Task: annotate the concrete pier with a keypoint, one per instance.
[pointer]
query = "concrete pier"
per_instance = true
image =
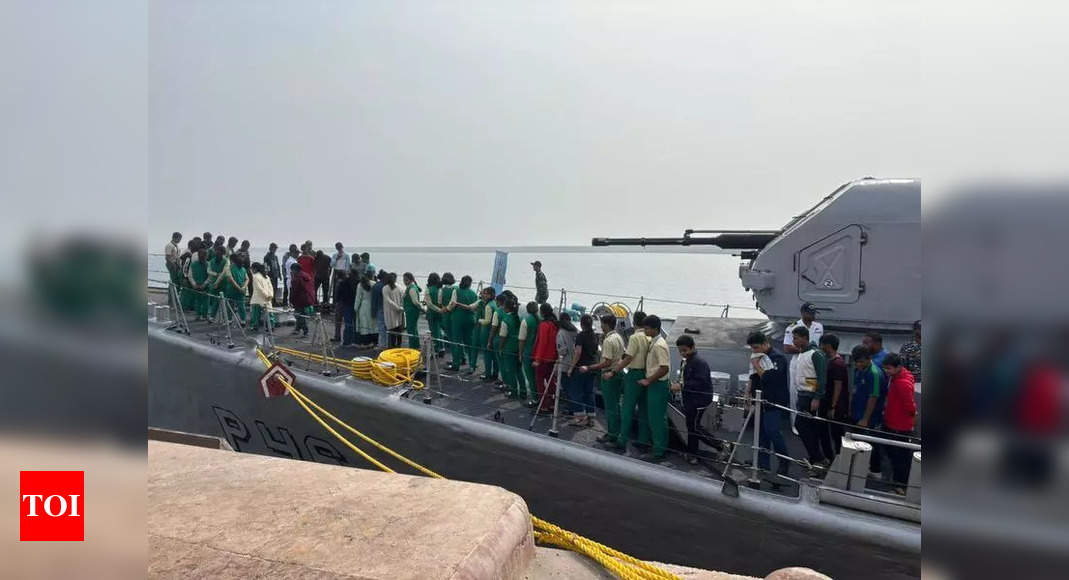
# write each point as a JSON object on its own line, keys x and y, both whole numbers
{"x": 221, "y": 514}
{"x": 225, "y": 515}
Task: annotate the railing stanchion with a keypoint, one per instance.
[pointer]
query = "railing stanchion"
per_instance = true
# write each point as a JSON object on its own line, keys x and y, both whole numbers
{"x": 756, "y": 437}
{"x": 556, "y": 399}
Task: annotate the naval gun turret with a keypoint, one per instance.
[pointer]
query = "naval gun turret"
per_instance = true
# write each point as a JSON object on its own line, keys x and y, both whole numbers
{"x": 855, "y": 255}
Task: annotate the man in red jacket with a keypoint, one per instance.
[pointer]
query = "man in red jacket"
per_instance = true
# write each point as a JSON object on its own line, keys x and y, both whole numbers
{"x": 898, "y": 417}
{"x": 302, "y": 296}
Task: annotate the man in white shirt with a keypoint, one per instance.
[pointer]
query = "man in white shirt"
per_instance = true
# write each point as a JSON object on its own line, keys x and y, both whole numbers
{"x": 287, "y": 263}
{"x": 172, "y": 255}
{"x": 816, "y": 330}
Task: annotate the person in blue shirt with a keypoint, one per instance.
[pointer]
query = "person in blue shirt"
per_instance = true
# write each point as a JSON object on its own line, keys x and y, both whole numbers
{"x": 773, "y": 384}
{"x": 867, "y": 398}
{"x": 873, "y": 341}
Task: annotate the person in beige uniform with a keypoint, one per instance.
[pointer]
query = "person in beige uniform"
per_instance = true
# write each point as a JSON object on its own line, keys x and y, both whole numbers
{"x": 634, "y": 360}
{"x": 657, "y": 388}
{"x": 612, "y": 350}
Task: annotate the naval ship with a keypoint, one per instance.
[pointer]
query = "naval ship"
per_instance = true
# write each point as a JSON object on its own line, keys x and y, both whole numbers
{"x": 855, "y": 255}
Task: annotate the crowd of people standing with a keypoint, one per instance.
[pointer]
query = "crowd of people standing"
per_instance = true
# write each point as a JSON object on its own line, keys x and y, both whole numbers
{"x": 814, "y": 383}
{"x": 525, "y": 350}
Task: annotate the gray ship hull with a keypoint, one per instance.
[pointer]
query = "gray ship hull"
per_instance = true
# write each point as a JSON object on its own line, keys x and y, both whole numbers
{"x": 645, "y": 510}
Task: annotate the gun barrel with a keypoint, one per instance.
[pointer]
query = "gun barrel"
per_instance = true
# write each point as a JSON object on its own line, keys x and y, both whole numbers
{"x": 728, "y": 241}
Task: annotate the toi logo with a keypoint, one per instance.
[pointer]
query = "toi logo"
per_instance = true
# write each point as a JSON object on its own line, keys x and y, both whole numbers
{"x": 51, "y": 506}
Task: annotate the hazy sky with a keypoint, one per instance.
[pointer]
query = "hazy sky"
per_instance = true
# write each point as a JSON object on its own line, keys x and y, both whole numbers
{"x": 500, "y": 122}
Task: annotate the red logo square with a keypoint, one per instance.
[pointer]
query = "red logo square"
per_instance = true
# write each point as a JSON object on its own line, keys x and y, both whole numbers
{"x": 51, "y": 506}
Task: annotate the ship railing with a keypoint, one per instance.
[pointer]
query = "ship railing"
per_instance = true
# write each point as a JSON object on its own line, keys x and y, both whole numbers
{"x": 847, "y": 474}
{"x": 725, "y": 310}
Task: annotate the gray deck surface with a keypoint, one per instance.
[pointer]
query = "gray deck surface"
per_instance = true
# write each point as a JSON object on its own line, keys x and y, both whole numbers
{"x": 469, "y": 394}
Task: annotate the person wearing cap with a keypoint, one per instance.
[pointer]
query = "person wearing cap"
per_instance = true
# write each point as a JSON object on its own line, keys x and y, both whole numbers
{"x": 634, "y": 360}
{"x": 541, "y": 285}
{"x": 808, "y": 320}
{"x": 658, "y": 361}
{"x": 816, "y": 330}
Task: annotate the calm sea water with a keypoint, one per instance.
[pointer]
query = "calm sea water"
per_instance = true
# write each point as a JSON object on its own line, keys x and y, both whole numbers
{"x": 701, "y": 280}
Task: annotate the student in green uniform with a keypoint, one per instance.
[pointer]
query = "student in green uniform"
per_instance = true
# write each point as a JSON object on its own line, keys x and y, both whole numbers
{"x": 497, "y": 305}
{"x": 528, "y": 331}
{"x": 434, "y": 311}
{"x": 198, "y": 283}
{"x": 463, "y": 323}
{"x": 413, "y": 305}
{"x": 612, "y": 350}
{"x": 217, "y": 267}
{"x": 509, "y": 344}
{"x": 634, "y": 360}
{"x": 446, "y": 297}
{"x": 476, "y": 333}
{"x": 186, "y": 296}
{"x": 236, "y": 284}
{"x": 657, "y": 388}
{"x": 478, "y": 330}
{"x": 481, "y": 330}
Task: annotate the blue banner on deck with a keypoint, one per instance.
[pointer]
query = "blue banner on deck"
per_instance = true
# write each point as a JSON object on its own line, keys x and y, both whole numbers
{"x": 501, "y": 264}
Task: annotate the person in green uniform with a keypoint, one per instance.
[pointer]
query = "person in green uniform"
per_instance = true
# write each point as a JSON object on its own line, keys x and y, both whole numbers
{"x": 198, "y": 282}
{"x": 509, "y": 343}
{"x": 477, "y": 330}
{"x": 497, "y": 305}
{"x": 446, "y": 297}
{"x": 413, "y": 304}
{"x": 657, "y": 388}
{"x": 634, "y": 360}
{"x": 612, "y": 350}
{"x": 528, "y": 332}
{"x": 434, "y": 312}
{"x": 187, "y": 297}
{"x": 236, "y": 284}
{"x": 481, "y": 329}
{"x": 217, "y": 267}
{"x": 463, "y": 322}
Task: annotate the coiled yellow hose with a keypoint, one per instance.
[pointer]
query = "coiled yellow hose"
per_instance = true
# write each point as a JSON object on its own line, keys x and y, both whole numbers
{"x": 618, "y": 310}
{"x": 394, "y": 366}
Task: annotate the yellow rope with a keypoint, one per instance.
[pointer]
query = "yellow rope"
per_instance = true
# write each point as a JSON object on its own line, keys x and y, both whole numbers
{"x": 618, "y": 310}
{"x": 620, "y": 564}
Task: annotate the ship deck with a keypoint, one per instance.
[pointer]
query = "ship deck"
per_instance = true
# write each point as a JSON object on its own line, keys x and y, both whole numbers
{"x": 470, "y": 395}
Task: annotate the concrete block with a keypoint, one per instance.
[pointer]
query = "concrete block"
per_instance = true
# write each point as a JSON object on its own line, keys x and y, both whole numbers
{"x": 221, "y": 514}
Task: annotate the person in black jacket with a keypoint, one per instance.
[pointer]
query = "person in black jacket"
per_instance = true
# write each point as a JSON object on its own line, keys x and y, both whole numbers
{"x": 322, "y": 275}
{"x": 697, "y": 391}
{"x": 274, "y": 271}
{"x": 772, "y": 380}
{"x": 344, "y": 303}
